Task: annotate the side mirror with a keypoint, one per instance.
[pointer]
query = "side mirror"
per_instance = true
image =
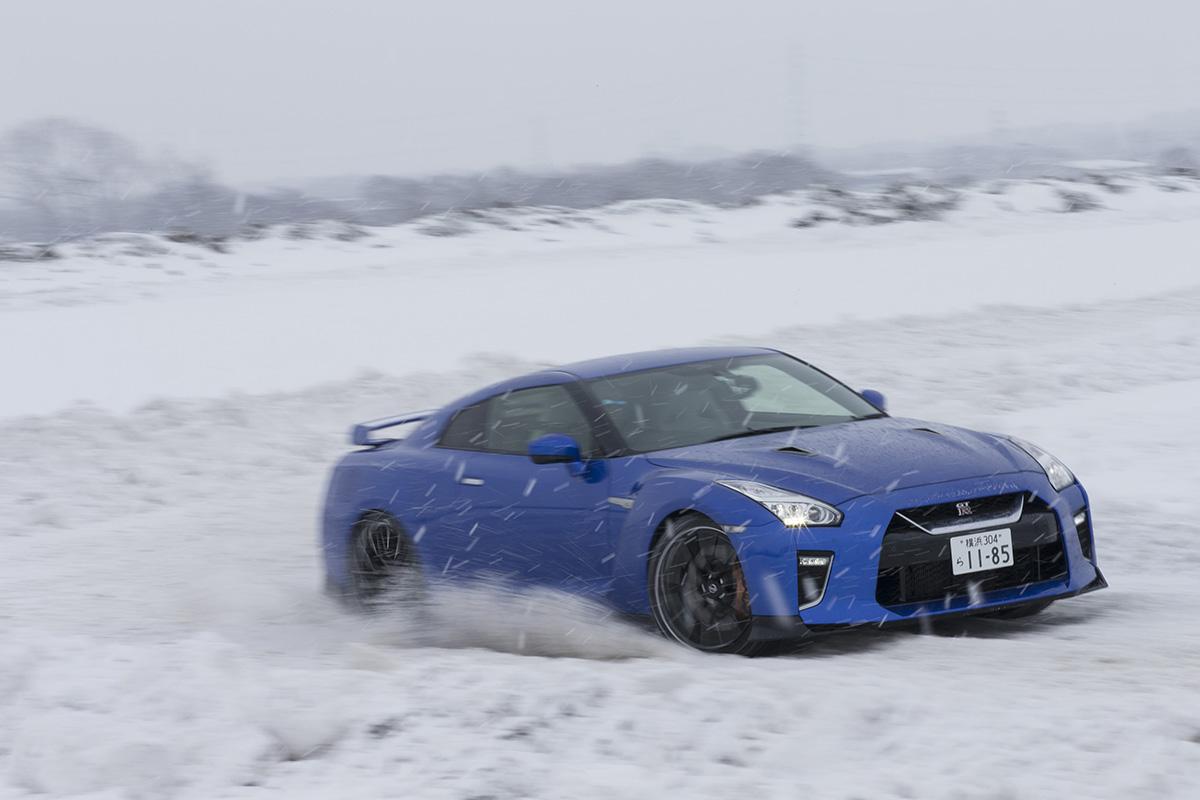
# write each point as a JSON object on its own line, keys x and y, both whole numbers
{"x": 875, "y": 398}
{"x": 554, "y": 448}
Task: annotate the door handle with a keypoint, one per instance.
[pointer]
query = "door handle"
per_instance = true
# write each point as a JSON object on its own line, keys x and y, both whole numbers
{"x": 465, "y": 481}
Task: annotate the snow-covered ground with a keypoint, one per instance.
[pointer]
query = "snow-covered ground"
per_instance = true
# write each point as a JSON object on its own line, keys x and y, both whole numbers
{"x": 164, "y": 635}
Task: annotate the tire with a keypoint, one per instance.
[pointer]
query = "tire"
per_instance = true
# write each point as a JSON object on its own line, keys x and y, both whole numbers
{"x": 383, "y": 563}
{"x": 698, "y": 594}
{"x": 1019, "y": 612}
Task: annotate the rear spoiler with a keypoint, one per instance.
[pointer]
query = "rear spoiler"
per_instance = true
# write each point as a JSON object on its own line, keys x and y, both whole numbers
{"x": 360, "y": 434}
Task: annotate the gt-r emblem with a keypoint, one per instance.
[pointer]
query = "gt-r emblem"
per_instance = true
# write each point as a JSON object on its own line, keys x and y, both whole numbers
{"x": 964, "y": 509}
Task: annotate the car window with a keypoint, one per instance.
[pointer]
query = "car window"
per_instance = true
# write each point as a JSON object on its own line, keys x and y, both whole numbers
{"x": 686, "y": 404}
{"x": 508, "y": 422}
{"x": 770, "y": 390}
{"x": 465, "y": 431}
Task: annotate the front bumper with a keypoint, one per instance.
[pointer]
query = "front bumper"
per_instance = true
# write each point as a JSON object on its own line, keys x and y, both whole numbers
{"x": 768, "y": 556}
{"x": 767, "y": 629}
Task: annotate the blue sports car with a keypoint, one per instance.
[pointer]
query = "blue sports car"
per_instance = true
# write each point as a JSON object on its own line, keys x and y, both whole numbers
{"x": 736, "y": 495}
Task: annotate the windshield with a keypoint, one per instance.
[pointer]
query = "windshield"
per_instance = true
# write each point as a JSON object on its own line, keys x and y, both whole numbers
{"x": 707, "y": 401}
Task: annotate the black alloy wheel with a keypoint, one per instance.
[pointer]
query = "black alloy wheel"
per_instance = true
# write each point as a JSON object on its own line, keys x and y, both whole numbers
{"x": 384, "y": 565}
{"x": 698, "y": 592}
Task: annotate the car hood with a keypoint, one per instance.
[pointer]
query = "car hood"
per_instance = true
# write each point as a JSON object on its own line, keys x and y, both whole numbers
{"x": 835, "y": 463}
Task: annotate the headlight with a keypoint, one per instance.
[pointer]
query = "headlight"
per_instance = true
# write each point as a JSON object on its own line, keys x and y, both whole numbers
{"x": 794, "y": 510}
{"x": 1060, "y": 477}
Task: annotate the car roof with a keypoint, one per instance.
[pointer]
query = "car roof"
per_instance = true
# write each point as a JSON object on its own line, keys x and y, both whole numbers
{"x": 652, "y": 359}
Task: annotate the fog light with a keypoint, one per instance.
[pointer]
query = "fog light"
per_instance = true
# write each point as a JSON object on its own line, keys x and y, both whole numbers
{"x": 812, "y": 575}
{"x": 1084, "y": 529}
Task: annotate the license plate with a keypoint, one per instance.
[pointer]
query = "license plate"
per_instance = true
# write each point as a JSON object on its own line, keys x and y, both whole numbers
{"x": 979, "y": 551}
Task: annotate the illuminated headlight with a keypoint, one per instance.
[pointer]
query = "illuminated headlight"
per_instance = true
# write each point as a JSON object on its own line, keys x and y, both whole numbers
{"x": 794, "y": 510}
{"x": 1060, "y": 477}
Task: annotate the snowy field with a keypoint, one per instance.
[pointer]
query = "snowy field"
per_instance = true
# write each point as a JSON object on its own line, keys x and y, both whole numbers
{"x": 133, "y": 317}
{"x": 164, "y": 635}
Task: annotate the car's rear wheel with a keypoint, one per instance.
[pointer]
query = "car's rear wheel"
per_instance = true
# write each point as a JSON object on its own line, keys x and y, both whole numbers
{"x": 384, "y": 567}
{"x": 698, "y": 593}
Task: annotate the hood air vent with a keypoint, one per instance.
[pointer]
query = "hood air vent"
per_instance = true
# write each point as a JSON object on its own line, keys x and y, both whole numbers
{"x": 929, "y": 430}
{"x": 800, "y": 451}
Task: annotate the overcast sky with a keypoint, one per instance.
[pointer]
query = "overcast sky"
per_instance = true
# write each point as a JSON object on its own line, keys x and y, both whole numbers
{"x": 294, "y": 88}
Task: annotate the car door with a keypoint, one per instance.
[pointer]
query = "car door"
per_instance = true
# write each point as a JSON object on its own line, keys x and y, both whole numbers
{"x": 532, "y": 522}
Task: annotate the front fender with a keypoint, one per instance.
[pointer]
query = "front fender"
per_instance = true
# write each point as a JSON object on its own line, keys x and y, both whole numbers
{"x": 660, "y": 495}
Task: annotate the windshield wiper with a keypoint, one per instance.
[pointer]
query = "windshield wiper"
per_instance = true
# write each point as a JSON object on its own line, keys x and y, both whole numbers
{"x": 756, "y": 432}
{"x": 876, "y": 415}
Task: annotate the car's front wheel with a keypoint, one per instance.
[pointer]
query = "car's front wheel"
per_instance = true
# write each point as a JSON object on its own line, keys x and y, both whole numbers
{"x": 384, "y": 566}
{"x": 698, "y": 592}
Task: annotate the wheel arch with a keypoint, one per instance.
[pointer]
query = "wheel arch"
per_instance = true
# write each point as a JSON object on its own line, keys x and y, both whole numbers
{"x": 667, "y": 521}
{"x": 663, "y": 497}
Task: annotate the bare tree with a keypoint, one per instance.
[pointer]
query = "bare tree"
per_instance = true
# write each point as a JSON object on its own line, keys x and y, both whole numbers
{"x": 72, "y": 175}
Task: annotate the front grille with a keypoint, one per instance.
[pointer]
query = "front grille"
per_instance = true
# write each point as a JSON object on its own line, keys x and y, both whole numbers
{"x": 914, "y": 566}
{"x": 939, "y": 515}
